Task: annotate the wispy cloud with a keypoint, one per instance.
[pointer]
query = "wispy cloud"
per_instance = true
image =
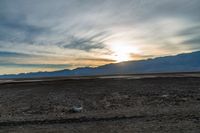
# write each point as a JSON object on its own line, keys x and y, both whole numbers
{"x": 11, "y": 54}
{"x": 57, "y": 66}
{"x": 193, "y": 41}
{"x": 86, "y": 43}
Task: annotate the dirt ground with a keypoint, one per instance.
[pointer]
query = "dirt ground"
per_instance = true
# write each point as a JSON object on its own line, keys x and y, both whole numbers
{"x": 156, "y": 104}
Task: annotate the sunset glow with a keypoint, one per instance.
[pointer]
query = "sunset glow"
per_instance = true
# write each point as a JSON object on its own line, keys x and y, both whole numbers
{"x": 122, "y": 51}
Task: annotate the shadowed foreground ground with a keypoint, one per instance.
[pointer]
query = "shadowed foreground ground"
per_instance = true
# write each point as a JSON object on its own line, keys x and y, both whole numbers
{"x": 111, "y": 105}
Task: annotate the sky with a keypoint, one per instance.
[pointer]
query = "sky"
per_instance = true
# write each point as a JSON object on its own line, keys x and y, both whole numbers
{"x": 49, "y": 35}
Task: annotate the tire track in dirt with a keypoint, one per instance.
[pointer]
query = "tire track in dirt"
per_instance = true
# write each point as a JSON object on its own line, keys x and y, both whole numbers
{"x": 98, "y": 119}
{"x": 69, "y": 120}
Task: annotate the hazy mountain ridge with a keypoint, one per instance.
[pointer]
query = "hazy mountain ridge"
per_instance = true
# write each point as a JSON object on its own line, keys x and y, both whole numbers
{"x": 188, "y": 62}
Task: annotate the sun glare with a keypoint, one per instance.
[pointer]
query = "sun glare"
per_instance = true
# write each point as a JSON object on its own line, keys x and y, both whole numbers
{"x": 123, "y": 52}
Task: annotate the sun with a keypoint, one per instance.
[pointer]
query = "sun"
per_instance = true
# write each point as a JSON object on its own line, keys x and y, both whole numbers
{"x": 122, "y": 52}
{"x": 121, "y": 55}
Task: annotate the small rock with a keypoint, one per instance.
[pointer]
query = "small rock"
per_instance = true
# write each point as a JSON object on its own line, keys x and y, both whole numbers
{"x": 165, "y": 96}
{"x": 76, "y": 109}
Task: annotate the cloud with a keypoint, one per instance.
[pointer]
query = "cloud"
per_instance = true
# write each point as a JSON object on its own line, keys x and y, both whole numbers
{"x": 18, "y": 31}
{"x": 97, "y": 60}
{"x": 140, "y": 56}
{"x": 87, "y": 43}
{"x": 193, "y": 41}
{"x": 12, "y": 54}
{"x": 36, "y": 65}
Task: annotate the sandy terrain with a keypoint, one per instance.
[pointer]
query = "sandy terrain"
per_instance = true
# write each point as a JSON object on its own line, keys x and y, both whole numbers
{"x": 162, "y": 103}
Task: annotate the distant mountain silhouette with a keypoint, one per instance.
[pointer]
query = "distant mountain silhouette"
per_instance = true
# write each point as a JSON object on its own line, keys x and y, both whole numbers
{"x": 189, "y": 62}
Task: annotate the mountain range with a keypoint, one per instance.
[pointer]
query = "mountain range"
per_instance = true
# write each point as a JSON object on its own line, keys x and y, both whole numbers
{"x": 186, "y": 62}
